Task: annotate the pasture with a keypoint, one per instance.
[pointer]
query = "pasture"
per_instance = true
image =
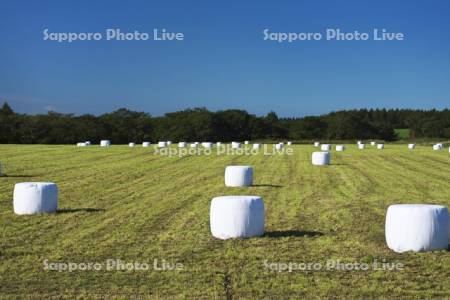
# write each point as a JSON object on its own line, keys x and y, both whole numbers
{"x": 134, "y": 205}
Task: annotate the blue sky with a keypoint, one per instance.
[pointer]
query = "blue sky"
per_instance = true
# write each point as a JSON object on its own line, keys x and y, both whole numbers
{"x": 223, "y": 61}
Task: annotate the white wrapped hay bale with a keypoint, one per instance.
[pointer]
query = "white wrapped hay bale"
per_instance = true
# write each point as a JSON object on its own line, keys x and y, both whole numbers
{"x": 131, "y": 144}
{"x": 325, "y": 147}
{"x": 168, "y": 143}
{"x": 417, "y": 227}
{"x": 437, "y": 147}
{"x": 238, "y": 176}
{"x": 207, "y": 145}
{"x": 361, "y": 146}
{"x": 380, "y": 146}
{"x": 88, "y": 143}
{"x": 162, "y": 144}
{"x": 237, "y": 217}
{"x": 146, "y": 144}
{"x": 372, "y": 143}
{"x": 279, "y": 146}
{"x": 340, "y": 148}
{"x": 289, "y": 143}
{"x": 316, "y": 144}
{"x": 321, "y": 158}
{"x": 182, "y": 145}
{"x": 411, "y": 146}
{"x": 218, "y": 144}
{"x": 256, "y": 146}
{"x": 81, "y": 144}
{"x": 105, "y": 143}
{"x": 193, "y": 145}
{"x": 235, "y": 145}
{"x": 359, "y": 142}
{"x": 246, "y": 142}
{"x": 35, "y": 197}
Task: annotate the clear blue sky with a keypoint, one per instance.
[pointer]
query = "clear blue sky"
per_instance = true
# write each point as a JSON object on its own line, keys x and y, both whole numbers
{"x": 223, "y": 61}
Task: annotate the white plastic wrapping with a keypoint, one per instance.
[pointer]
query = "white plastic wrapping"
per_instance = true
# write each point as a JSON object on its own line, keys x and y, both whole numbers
{"x": 316, "y": 144}
{"x": 320, "y": 158}
{"x": 105, "y": 143}
{"x": 279, "y": 146}
{"x": 162, "y": 144}
{"x": 359, "y": 142}
{"x": 88, "y": 143}
{"x": 238, "y": 176}
{"x": 235, "y": 145}
{"x": 325, "y": 147}
{"x": 168, "y": 143}
{"x": 218, "y": 144}
{"x": 246, "y": 142}
{"x": 361, "y": 146}
{"x": 207, "y": 145}
{"x": 437, "y": 147}
{"x": 35, "y": 197}
{"x": 380, "y": 146}
{"x": 193, "y": 145}
{"x": 146, "y": 144}
{"x": 131, "y": 144}
{"x": 237, "y": 217}
{"x": 417, "y": 227}
{"x": 289, "y": 143}
{"x": 81, "y": 145}
{"x": 256, "y": 146}
{"x": 340, "y": 148}
{"x": 372, "y": 143}
{"x": 182, "y": 145}
{"x": 411, "y": 146}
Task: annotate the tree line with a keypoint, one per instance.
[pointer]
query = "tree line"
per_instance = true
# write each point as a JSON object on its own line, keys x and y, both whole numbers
{"x": 200, "y": 124}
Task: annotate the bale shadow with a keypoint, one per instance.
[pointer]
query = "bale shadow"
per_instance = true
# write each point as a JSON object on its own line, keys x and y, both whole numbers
{"x": 19, "y": 176}
{"x": 75, "y": 210}
{"x": 267, "y": 185}
{"x": 292, "y": 233}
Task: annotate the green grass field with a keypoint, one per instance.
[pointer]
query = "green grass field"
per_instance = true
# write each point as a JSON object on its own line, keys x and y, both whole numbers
{"x": 137, "y": 206}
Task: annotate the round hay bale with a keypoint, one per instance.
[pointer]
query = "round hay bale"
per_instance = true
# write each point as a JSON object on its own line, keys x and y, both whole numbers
{"x": 316, "y": 144}
{"x": 340, "y": 148}
{"x": 237, "y": 217}
{"x": 411, "y": 146}
{"x": 81, "y": 144}
{"x": 168, "y": 143}
{"x": 361, "y": 146}
{"x": 372, "y": 143}
{"x": 380, "y": 146}
{"x": 235, "y": 145}
{"x": 105, "y": 143}
{"x": 207, "y": 145}
{"x": 218, "y": 144}
{"x": 417, "y": 227}
{"x": 131, "y": 144}
{"x": 88, "y": 143}
{"x": 437, "y": 147}
{"x": 35, "y": 197}
{"x": 193, "y": 145}
{"x": 321, "y": 158}
{"x": 246, "y": 142}
{"x": 359, "y": 142}
{"x": 325, "y": 147}
{"x": 182, "y": 145}
{"x": 256, "y": 146}
{"x": 238, "y": 176}
{"x": 289, "y": 143}
{"x": 162, "y": 144}
{"x": 279, "y": 146}
{"x": 146, "y": 144}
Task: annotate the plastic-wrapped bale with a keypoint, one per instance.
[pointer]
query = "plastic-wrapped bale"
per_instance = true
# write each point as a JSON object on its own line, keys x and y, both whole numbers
{"x": 207, "y": 145}
{"x": 417, "y": 227}
{"x": 316, "y": 144}
{"x": 246, "y": 142}
{"x": 279, "y": 146}
{"x": 146, "y": 144}
{"x": 162, "y": 144}
{"x": 238, "y": 176}
{"x": 289, "y": 143}
{"x": 88, "y": 143}
{"x": 193, "y": 145}
{"x": 325, "y": 147}
{"x": 131, "y": 144}
{"x": 372, "y": 143}
{"x": 235, "y": 145}
{"x": 105, "y": 143}
{"x": 81, "y": 144}
{"x": 340, "y": 148}
{"x": 256, "y": 146}
{"x": 361, "y": 146}
{"x": 35, "y": 197}
{"x": 411, "y": 146}
{"x": 168, "y": 143}
{"x": 320, "y": 158}
{"x": 237, "y": 217}
{"x": 380, "y": 146}
{"x": 182, "y": 145}
{"x": 218, "y": 144}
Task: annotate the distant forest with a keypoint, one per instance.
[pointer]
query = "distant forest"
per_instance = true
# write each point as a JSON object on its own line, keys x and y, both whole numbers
{"x": 199, "y": 124}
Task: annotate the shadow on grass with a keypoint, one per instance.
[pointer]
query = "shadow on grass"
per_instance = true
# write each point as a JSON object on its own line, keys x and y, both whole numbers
{"x": 267, "y": 185}
{"x": 19, "y": 176}
{"x": 75, "y": 210}
{"x": 292, "y": 233}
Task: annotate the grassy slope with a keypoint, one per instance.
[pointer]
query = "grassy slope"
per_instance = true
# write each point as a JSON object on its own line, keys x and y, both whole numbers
{"x": 149, "y": 206}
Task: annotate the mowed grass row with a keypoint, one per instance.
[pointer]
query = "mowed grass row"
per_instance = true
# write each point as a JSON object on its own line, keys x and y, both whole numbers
{"x": 137, "y": 206}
